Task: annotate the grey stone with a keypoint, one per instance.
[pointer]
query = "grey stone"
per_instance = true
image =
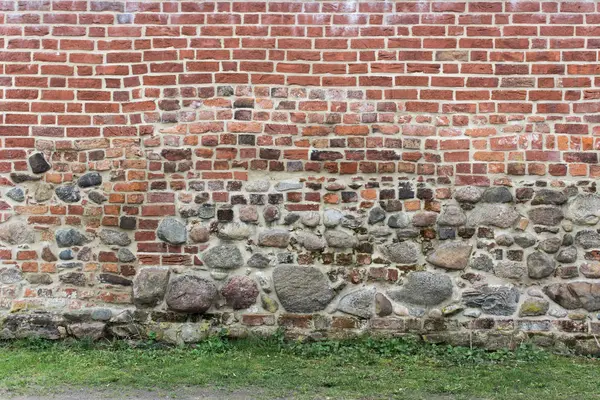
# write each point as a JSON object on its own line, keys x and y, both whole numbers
{"x": 31, "y": 325}
{"x": 233, "y": 231}
{"x": 497, "y": 194}
{"x": 360, "y": 303}
{"x": 585, "y": 209}
{"x": 258, "y": 186}
{"x": 16, "y": 233}
{"x": 399, "y": 220}
{"x": 97, "y": 197}
{"x": 423, "y": 288}
{"x": 199, "y": 234}
{"x": 401, "y": 252}
{"x": 66, "y": 254}
{"x": 509, "y": 269}
{"x": 549, "y": 197}
{"x": 493, "y": 300}
{"x": 310, "y": 219}
{"x": 482, "y": 262}
{"x": 451, "y": 255}
{"x": 567, "y": 255}
{"x": 114, "y": 280}
{"x": 259, "y": 260}
{"x": 172, "y": 231}
{"x": 540, "y": 265}
{"x": 70, "y": 265}
{"x": 377, "y": 214}
{"x": 424, "y": 218}
{"x": 302, "y": 289}
{"x": 551, "y": 245}
{"x": 125, "y": 255}
{"x": 16, "y": 194}
{"x": 73, "y": 278}
{"x": 206, "y": 211}
{"x": 332, "y": 218}
{"x": 291, "y": 218}
{"x": 499, "y": 215}
{"x": 150, "y": 285}
{"x": 340, "y": 240}
{"x": 68, "y": 193}
{"x": 525, "y": 240}
{"x": 85, "y": 254}
{"x": 350, "y": 221}
{"x": 223, "y": 257}
{"x": 190, "y": 294}
{"x": 548, "y": 215}
{"x": 39, "y": 279}
{"x": 588, "y": 239}
{"x": 504, "y": 240}
{"x": 274, "y": 238}
{"x": 88, "y": 330}
{"x": 590, "y": 270}
{"x": 310, "y": 241}
{"x": 574, "y": 295}
{"x": 111, "y": 237}
{"x": 90, "y": 179}
{"x": 240, "y": 292}
{"x": 284, "y": 186}
{"x": 10, "y": 275}
{"x": 43, "y": 192}
{"x": 38, "y": 163}
{"x": 452, "y": 215}
{"x": 383, "y": 306}
{"x": 101, "y": 314}
{"x": 468, "y": 194}
{"x": 567, "y": 239}
{"x": 70, "y": 237}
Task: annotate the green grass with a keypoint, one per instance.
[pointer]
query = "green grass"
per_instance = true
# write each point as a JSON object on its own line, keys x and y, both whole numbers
{"x": 358, "y": 369}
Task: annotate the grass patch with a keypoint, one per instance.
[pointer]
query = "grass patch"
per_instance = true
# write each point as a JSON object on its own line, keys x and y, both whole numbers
{"x": 354, "y": 369}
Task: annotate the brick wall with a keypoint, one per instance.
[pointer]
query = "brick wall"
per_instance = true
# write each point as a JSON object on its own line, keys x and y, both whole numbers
{"x": 161, "y": 159}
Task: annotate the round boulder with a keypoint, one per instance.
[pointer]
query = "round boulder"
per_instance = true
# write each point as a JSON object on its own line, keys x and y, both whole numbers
{"x": 302, "y": 289}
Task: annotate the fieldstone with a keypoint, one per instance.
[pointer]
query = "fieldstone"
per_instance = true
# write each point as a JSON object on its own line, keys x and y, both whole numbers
{"x": 190, "y": 294}
{"x": 264, "y": 281}
{"x": 70, "y": 237}
{"x": 97, "y": 197}
{"x": 350, "y": 221}
{"x": 268, "y": 303}
{"x": 574, "y": 295}
{"x": 401, "y": 252}
{"x": 240, "y": 292}
{"x": 399, "y": 221}
{"x": 125, "y": 255}
{"x": 482, "y": 262}
{"x": 88, "y": 330}
{"x": 68, "y": 193}
{"x": 360, "y": 303}
{"x": 274, "y": 238}
{"x": 112, "y": 237}
{"x": 551, "y": 245}
{"x": 540, "y": 265}
{"x": 258, "y": 186}
{"x": 90, "y": 179}
{"x": 114, "y": 280}
{"x": 16, "y": 194}
{"x": 310, "y": 241}
{"x": 225, "y": 256}
{"x": 525, "y": 240}
{"x": 588, "y": 239}
{"x": 497, "y": 194}
{"x": 493, "y": 300}
{"x": 567, "y": 239}
{"x": 199, "y": 234}
{"x": 567, "y": 255}
{"x": 39, "y": 279}
{"x": 172, "y": 231}
{"x": 547, "y": 216}
{"x": 549, "y": 197}
{"x": 73, "y": 278}
{"x": 259, "y": 260}
{"x": 376, "y": 215}
{"x": 585, "y": 209}
{"x": 16, "y": 233}
{"x": 340, "y": 240}
{"x": 452, "y": 215}
{"x": 66, "y": 254}
{"x": 284, "y": 186}
{"x": 423, "y": 288}
{"x": 233, "y": 231}
{"x": 424, "y": 218}
{"x": 532, "y": 307}
{"x": 590, "y": 270}
{"x": 249, "y": 214}
{"x": 332, "y": 218}
{"x": 302, "y": 289}
{"x": 206, "y": 211}
{"x": 271, "y": 213}
{"x": 468, "y": 194}
{"x": 310, "y": 219}
{"x": 85, "y": 254}
{"x": 38, "y": 163}
{"x": 451, "y": 255}
{"x": 509, "y": 269}
{"x": 499, "y": 215}
{"x": 48, "y": 255}
{"x": 43, "y": 192}
{"x": 383, "y": 306}
{"x": 291, "y": 218}
{"x": 10, "y": 275}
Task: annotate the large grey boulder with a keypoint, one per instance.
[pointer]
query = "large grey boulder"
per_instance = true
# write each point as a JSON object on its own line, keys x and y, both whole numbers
{"x": 340, "y": 240}
{"x": 451, "y": 255}
{"x": 172, "y": 231}
{"x": 588, "y": 239}
{"x": 452, "y": 215}
{"x": 423, "y": 288}
{"x": 274, "y": 238}
{"x": 70, "y": 237}
{"x": 190, "y": 294}
{"x": 546, "y": 215}
{"x": 360, "y": 303}
{"x": 493, "y": 300}
{"x": 111, "y": 237}
{"x": 302, "y": 289}
{"x": 549, "y": 197}
{"x": 226, "y": 256}
{"x": 497, "y": 194}
{"x": 16, "y": 233}
{"x": 468, "y": 194}
{"x": 540, "y": 265}
{"x": 575, "y": 295}
{"x": 310, "y": 241}
{"x": 401, "y": 252}
{"x": 500, "y": 215}
{"x": 150, "y": 285}
{"x": 585, "y": 209}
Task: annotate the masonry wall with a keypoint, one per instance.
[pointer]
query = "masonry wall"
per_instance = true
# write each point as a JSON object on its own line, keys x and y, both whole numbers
{"x": 332, "y": 168}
